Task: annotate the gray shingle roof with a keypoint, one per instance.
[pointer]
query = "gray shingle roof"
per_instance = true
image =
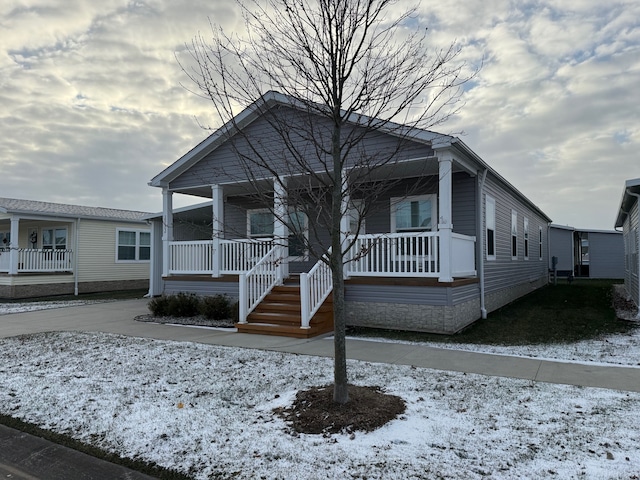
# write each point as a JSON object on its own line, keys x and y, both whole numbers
{"x": 13, "y": 205}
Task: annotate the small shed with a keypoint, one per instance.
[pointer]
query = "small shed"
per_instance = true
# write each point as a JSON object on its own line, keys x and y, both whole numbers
{"x": 587, "y": 253}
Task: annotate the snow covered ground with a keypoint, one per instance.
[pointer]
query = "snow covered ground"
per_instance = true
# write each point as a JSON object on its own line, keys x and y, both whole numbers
{"x": 17, "y": 307}
{"x": 207, "y": 410}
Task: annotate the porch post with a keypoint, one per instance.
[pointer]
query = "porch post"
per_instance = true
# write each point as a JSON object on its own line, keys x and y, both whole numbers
{"x": 345, "y": 222}
{"x": 445, "y": 226}
{"x": 280, "y": 230}
{"x": 13, "y": 246}
{"x": 217, "y": 196}
{"x": 167, "y": 229}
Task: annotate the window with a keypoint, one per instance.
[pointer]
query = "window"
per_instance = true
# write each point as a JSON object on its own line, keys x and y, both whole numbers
{"x": 525, "y": 227}
{"x": 133, "y": 246}
{"x": 413, "y": 213}
{"x": 5, "y": 240}
{"x": 540, "y": 243}
{"x": 260, "y": 225}
{"x": 54, "y": 238}
{"x": 490, "y": 226}
{"x": 514, "y": 235}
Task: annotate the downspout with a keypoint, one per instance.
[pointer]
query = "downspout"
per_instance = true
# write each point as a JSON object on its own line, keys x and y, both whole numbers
{"x": 480, "y": 242}
{"x": 637, "y": 243}
{"x": 75, "y": 263}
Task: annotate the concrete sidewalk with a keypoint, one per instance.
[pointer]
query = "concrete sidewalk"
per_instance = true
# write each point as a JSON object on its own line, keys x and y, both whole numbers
{"x": 118, "y": 317}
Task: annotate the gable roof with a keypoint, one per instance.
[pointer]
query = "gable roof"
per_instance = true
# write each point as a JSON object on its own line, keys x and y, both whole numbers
{"x": 630, "y": 187}
{"x": 261, "y": 106}
{"x": 48, "y": 209}
{"x": 272, "y": 98}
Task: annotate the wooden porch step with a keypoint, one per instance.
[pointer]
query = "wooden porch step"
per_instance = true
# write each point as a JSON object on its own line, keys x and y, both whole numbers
{"x": 279, "y": 314}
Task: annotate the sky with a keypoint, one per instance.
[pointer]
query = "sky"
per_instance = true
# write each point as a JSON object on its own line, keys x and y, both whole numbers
{"x": 93, "y": 101}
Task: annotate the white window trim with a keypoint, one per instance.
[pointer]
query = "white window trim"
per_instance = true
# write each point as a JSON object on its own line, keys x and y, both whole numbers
{"x": 514, "y": 234}
{"x": 414, "y": 198}
{"x": 53, "y": 228}
{"x": 302, "y": 258}
{"x": 525, "y": 235}
{"x": 490, "y": 200}
{"x": 137, "y": 246}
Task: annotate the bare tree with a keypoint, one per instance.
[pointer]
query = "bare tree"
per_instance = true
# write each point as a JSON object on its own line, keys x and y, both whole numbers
{"x": 348, "y": 71}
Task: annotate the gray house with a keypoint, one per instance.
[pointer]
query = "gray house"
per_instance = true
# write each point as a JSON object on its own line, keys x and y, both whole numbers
{"x": 586, "y": 253}
{"x": 628, "y": 220}
{"x": 464, "y": 242}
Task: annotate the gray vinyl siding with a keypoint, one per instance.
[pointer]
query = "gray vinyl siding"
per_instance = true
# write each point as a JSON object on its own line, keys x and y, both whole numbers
{"x": 202, "y": 288}
{"x": 632, "y": 267}
{"x": 410, "y": 295}
{"x": 561, "y": 242}
{"x": 504, "y": 272}
{"x": 606, "y": 255}
{"x": 224, "y": 164}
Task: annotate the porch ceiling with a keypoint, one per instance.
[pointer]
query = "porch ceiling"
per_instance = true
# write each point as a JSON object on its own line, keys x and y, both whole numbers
{"x": 422, "y": 167}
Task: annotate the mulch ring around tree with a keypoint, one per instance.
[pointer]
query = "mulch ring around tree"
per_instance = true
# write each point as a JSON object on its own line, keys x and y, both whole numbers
{"x": 314, "y": 411}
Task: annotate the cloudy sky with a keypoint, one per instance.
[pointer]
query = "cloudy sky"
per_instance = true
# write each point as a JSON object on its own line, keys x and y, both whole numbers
{"x": 92, "y": 103}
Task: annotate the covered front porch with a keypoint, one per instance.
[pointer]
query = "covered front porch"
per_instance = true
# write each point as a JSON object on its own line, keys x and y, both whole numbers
{"x": 417, "y": 242}
{"x": 29, "y": 245}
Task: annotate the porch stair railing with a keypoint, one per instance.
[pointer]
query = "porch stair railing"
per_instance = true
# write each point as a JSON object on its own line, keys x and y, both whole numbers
{"x": 315, "y": 287}
{"x": 255, "y": 284}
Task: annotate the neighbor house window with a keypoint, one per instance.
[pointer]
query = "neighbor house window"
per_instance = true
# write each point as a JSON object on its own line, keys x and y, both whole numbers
{"x": 540, "y": 243}
{"x": 490, "y": 226}
{"x": 416, "y": 213}
{"x": 260, "y": 225}
{"x": 514, "y": 235}
{"x": 133, "y": 245}
{"x": 525, "y": 228}
{"x": 54, "y": 239}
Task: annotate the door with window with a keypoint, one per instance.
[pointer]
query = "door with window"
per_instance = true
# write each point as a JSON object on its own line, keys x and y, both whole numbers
{"x": 414, "y": 214}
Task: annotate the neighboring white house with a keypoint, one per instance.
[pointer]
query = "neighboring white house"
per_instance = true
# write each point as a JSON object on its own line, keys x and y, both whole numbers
{"x": 52, "y": 249}
{"x": 628, "y": 220}
{"x": 464, "y": 242}
{"x": 586, "y": 253}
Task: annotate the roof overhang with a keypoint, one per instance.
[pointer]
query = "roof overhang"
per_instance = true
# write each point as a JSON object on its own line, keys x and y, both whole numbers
{"x": 631, "y": 188}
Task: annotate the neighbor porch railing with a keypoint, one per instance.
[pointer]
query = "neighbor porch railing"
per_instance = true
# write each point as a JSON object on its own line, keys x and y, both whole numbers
{"x": 315, "y": 287}
{"x": 197, "y": 257}
{"x": 255, "y": 284}
{"x": 33, "y": 260}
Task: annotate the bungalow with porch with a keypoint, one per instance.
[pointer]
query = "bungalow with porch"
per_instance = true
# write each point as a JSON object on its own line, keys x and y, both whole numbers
{"x": 462, "y": 243}
{"x": 628, "y": 220}
{"x": 54, "y": 249}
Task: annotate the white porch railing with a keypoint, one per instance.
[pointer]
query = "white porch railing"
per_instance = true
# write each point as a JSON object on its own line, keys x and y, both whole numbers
{"x": 315, "y": 287}
{"x": 33, "y": 260}
{"x": 239, "y": 256}
{"x": 197, "y": 257}
{"x": 394, "y": 255}
{"x": 194, "y": 257}
{"x": 259, "y": 281}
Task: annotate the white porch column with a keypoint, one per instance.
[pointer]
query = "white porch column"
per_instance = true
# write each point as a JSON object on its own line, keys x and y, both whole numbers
{"x": 167, "y": 229}
{"x": 445, "y": 226}
{"x": 13, "y": 246}
{"x": 217, "y": 196}
{"x": 280, "y": 230}
{"x": 345, "y": 221}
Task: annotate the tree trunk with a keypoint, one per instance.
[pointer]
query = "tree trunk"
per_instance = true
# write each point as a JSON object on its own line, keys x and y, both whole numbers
{"x": 340, "y": 391}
